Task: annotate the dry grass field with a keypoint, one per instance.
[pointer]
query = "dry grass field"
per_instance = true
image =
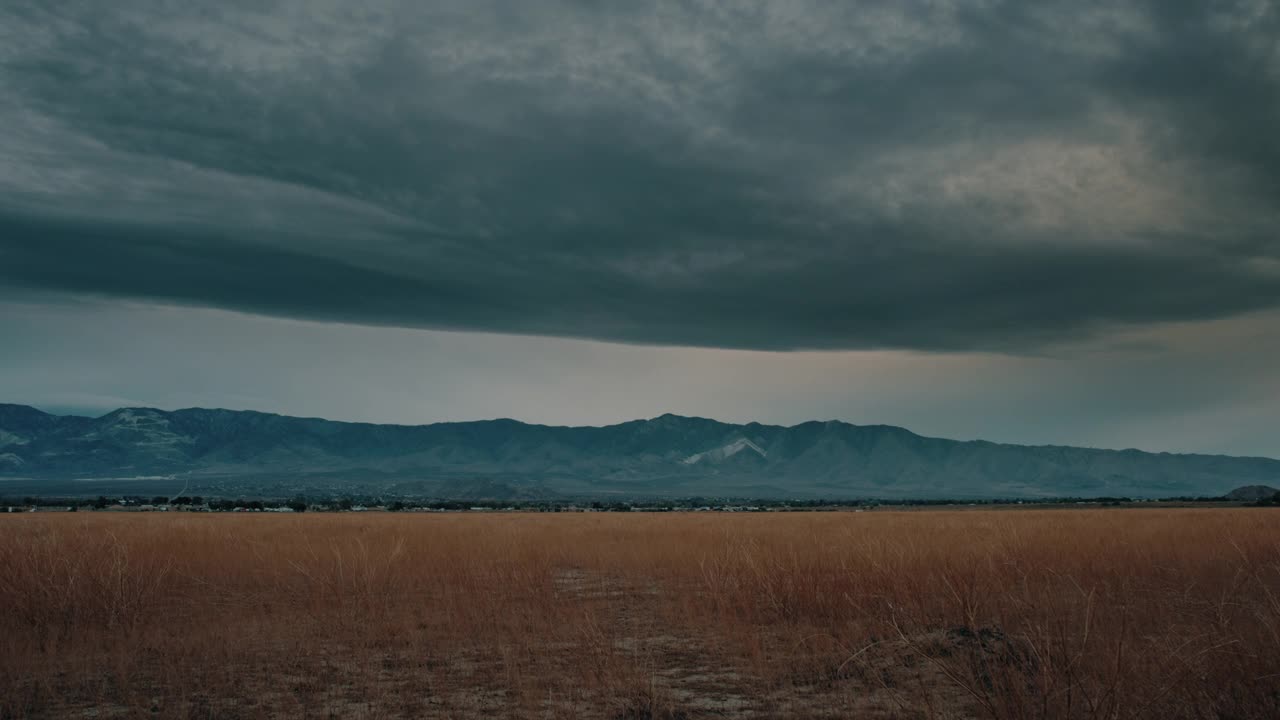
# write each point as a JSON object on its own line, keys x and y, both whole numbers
{"x": 1027, "y": 614}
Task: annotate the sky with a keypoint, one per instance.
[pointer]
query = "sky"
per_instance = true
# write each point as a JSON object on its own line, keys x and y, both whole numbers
{"x": 1031, "y": 221}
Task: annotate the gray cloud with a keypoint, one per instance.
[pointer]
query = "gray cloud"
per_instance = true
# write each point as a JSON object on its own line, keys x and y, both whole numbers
{"x": 938, "y": 176}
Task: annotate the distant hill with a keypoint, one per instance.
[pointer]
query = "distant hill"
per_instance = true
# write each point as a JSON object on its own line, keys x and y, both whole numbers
{"x": 1253, "y": 493}
{"x": 224, "y": 451}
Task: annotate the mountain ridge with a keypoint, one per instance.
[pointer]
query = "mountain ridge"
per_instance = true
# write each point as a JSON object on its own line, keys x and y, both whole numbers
{"x": 253, "y": 451}
{"x": 526, "y": 423}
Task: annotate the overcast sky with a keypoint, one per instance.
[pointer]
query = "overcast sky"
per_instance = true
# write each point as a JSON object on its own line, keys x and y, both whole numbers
{"x": 1024, "y": 221}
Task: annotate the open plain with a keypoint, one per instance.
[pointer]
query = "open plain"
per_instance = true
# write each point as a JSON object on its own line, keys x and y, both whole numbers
{"x": 1106, "y": 613}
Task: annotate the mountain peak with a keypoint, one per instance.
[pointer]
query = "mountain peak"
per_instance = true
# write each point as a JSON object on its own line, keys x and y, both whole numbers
{"x": 22, "y": 414}
{"x": 17, "y": 408}
{"x": 674, "y": 419}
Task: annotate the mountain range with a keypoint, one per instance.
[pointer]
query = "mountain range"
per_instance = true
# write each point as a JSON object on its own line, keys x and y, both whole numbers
{"x": 251, "y": 453}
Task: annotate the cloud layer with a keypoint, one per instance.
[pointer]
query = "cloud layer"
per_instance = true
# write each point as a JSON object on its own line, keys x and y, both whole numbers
{"x": 764, "y": 175}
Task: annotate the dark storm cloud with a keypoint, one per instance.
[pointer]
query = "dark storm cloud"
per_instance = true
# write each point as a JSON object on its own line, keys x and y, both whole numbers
{"x": 756, "y": 175}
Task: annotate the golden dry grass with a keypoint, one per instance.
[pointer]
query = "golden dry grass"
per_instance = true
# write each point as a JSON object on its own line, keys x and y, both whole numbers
{"x": 1027, "y": 614}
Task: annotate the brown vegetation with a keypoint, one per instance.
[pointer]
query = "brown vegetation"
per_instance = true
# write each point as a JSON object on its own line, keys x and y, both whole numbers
{"x": 1035, "y": 614}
